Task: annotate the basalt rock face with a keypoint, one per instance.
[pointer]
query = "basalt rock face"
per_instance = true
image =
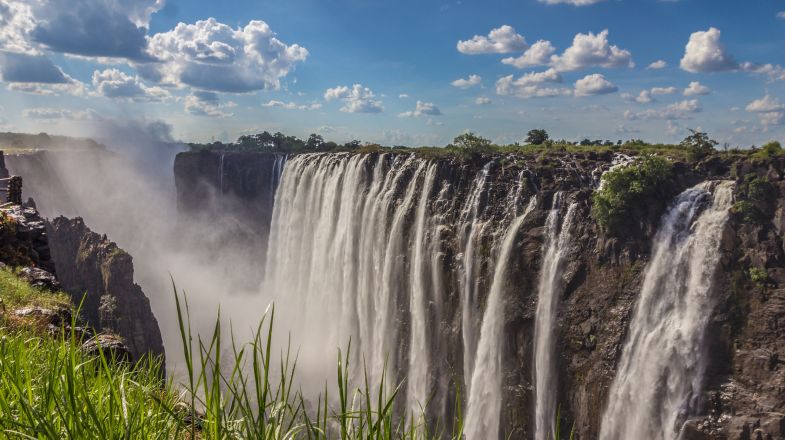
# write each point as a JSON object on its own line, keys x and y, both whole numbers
{"x": 232, "y": 189}
{"x": 92, "y": 266}
{"x": 743, "y": 389}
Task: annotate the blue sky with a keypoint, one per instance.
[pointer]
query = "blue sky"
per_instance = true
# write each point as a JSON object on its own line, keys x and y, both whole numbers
{"x": 403, "y": 72}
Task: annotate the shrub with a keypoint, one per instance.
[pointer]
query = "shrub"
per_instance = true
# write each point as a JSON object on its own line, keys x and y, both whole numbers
{"x": 698, "y": 145}
{"x": 625, "y": 187}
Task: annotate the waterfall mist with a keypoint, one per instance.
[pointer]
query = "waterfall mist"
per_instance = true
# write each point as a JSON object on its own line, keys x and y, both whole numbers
{"x": 128, "y": 193}
{"x": 659, "y": 379}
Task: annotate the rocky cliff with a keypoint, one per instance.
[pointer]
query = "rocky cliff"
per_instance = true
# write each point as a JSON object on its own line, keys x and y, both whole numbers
{"x": 448, "y": 202}
{"x": 232, "y": 189}
{"x": 100, "y": 275}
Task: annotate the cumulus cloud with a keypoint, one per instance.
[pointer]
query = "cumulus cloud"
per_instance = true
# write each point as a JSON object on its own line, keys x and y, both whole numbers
{"x": 206, "y": 103}
{"x": 770, "y": 111}
{"x": 465, "y": 83}
{"x": 213, "y": 56}
{"x": 482, "y": 100}
{"x": 539, "y": 54}
{"x": 422, "y": 109}
{"x": 403, "y": 96}
{"x": 571, "y": 2}
{"x": 49, "y": 113}
{"x": 356, "y": 99}
{"x": 644, "y": 97}
{"x": 773, "y": 72}
{"x": 659, "y": 64}
{"x": 705, "y": 53}
{"x": 74, "y": 87}
{"x": 503, "y": 39}
{"x": 595, "y": 84}
{"x": 291, "y": 105}
{"x": 592, "y": 50}
{"x": 93, "y": 28}
{"x": 767, "y": 104}
{"x": 781, "y": 15}
{"x": 664, "y": 90}
{"x": 112, "y": 83}
{"x": 17, "y": 67}
{"x": 696, "y": 88}
{"x": 532, "y": 85}
{"x": 679, "y": 110}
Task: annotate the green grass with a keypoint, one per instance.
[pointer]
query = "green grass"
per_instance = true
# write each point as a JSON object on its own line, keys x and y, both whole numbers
{"x": 49, "y": 389}
{"x": 16, "y": 293}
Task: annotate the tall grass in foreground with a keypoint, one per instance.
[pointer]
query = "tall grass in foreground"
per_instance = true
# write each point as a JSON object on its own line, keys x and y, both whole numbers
{"x": 50, "y": 389}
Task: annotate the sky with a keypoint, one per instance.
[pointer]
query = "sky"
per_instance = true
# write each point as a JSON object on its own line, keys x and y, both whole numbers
{"x": 399, "y": 72}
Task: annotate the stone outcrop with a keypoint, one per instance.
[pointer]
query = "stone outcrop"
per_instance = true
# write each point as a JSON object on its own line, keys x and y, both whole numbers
{"x": 100, "y": 276}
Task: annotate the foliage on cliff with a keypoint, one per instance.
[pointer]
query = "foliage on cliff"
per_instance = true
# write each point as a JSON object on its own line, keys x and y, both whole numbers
{"x": 625, "y": 187}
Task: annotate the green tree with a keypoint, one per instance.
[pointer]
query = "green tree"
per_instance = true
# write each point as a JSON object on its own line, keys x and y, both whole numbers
{"x": 537, "y": 136}
{"x": 470, "y": 141}
{"x": 315, "y": 142}
{"x": 698, "y": 145}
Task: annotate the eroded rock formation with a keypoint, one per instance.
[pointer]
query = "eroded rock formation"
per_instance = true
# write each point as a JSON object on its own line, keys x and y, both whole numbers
{"x": 91, "y": 266}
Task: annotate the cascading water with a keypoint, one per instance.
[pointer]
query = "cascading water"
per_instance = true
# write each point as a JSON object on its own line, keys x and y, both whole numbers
{"x": 345, "y": 262}
{"x": 472, "y": 228}
{"x": 221, "y": 174}
{"x": 660, "y": 374}
{"x": 419, "y": 358}
{"x": 550, "y": 289}
{"x": 484, "y": 404}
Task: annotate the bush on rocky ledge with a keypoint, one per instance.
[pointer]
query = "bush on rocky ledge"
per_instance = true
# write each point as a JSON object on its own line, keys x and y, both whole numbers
{"x": 626, "y": 186}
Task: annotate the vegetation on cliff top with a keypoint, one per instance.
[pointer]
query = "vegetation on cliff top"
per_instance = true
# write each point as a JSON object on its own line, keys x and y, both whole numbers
{"x": 624, "y": 187}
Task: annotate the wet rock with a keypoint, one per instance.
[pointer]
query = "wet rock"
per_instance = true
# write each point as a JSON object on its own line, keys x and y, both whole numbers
{"x": 112, "y": 347}
{"x": 100, "y": 276}
{"x": 39, "y": 278}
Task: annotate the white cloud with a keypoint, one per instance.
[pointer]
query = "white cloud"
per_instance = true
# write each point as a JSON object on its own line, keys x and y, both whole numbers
{"x": 91, "y": 28}
{"x": 659, "y": 64}
{"x": 767, "y": 104}
{"x": 403, "y": 96}
{"x": 113, "y": 83}
{"x": 592, "y": 50}
{"x": 49, "y": 113}
{"x": 595, "y": 84}
{"x": 770, "y": 111}
{"x": 204, "y": 103}
{"x": 291, "y": 105}
{"x": 539, "y": 54}
{"x": 357, "y": 99}
{"x": 422, "y": 109}
{"x": 531, "y": 84}
{"x": 664, "y": 90}
{"x": 781, "y": 15}
{"x": 571, "y": 2}
{"x": 679, "y": 110}
{"x": 774, "y": 72}
{"x": 696, "y": 88}
{"x": 73, "y": 87}
{"x": 623, "y": 129}
{"x": 500, "y": 40}
{"x": 644, "y": 97}
{"x": 705, "y": 53}
{"x": 482, "y": 100}
{"x": 209, "y": 55}
{"x": 471, "y": 81}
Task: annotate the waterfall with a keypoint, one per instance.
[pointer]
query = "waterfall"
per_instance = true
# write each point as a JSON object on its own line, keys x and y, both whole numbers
{"x": 350, "y": 256}
{"x": 472, "y": 228}
{"x": 484, "y": 404}
{"x": 659, "y": 379}
{"x": 419, "y": 361}
{"x": 221, "y": 174}
{"x": 550, "y": 289}
{"x": 276, "y": 172}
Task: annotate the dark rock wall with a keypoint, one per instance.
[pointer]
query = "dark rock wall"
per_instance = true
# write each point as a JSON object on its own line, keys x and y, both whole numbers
{"x": 91, "y": 266}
